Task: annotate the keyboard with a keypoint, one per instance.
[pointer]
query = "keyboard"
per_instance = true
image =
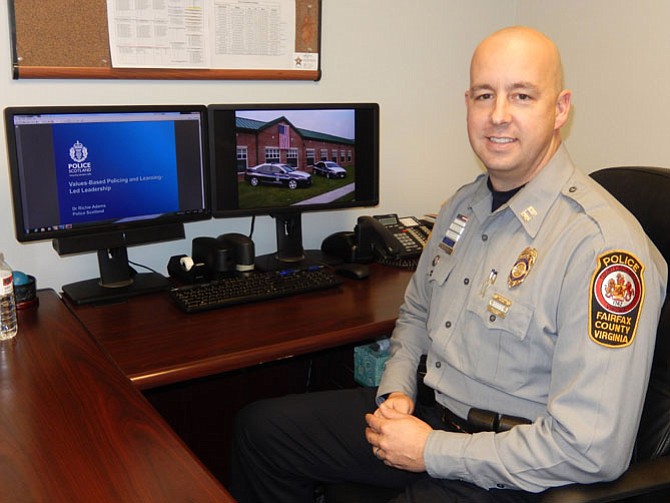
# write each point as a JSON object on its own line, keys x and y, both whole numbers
{"x": 253, "y": 287}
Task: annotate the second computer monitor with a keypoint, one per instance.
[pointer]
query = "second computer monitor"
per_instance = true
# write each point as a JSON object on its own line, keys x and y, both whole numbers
{"x": 286, "y": 159}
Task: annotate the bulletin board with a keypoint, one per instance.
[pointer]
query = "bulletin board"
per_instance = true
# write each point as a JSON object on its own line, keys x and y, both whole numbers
{"x": 69, "y": 39}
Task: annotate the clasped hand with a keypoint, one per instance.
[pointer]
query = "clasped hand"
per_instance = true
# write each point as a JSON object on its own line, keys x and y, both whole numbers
{"x": 396, "y": 436}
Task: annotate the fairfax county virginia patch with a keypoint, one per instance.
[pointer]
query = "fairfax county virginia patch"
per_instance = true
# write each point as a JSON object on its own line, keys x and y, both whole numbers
{"x": 617, "y": 293}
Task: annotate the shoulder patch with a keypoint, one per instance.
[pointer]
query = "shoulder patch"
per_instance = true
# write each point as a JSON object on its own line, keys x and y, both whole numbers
{"x": 617, "y": 293}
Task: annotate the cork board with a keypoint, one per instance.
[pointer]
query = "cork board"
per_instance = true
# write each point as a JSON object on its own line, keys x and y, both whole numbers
{"x": 69, "y": 39}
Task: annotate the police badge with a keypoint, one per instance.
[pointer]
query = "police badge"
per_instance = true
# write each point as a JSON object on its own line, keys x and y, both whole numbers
{"x": 522, "y": 267}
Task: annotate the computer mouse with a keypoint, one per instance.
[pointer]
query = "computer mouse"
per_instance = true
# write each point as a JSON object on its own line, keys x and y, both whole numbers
{"x": 353, "y": 270}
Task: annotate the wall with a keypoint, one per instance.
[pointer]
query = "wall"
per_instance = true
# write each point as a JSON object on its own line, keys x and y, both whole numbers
{"x": 615, "y": 55}
{"x": 413, "y": 61}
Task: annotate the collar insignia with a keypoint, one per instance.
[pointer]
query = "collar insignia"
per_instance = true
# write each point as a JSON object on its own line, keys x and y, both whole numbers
{"x": 522, "y": 267}
{"x": 528, "y": 214}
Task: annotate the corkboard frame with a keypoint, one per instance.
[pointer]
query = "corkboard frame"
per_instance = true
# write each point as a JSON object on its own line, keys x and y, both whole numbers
{"x": 68, "y": 39}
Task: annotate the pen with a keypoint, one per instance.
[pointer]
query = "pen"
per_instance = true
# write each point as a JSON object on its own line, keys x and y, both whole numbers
{"x": 489, "y": 281}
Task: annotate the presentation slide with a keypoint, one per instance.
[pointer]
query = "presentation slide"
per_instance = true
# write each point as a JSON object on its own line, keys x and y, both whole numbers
{"x": 115, "y": 171}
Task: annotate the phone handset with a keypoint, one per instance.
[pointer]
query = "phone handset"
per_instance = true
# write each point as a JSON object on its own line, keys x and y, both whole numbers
{"x": 373, "y": 237}
{"x": 390, "y": 237}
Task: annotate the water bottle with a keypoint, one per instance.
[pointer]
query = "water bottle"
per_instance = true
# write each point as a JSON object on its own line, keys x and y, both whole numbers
{"x": 8, "y": 326}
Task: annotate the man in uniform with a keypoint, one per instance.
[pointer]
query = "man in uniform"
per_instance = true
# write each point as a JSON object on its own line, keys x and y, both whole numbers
{"x": 535, "y": 304}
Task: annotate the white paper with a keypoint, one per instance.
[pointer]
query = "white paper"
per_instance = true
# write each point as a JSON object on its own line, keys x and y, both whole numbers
{"x": 253, "y": 34}
{"x": 158, "y": 33}
{"x": 229, "y": 34}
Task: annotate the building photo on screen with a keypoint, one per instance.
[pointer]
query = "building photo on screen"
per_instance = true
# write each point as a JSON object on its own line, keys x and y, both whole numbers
{"x": 295, "y": 149}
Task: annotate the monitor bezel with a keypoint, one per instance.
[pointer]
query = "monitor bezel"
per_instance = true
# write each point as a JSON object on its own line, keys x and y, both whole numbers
{"x": 220, "y": 208}
{"x": 105, "y": 227}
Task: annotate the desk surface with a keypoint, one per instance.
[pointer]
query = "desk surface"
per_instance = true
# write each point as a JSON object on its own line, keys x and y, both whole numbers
{"x": 73, "y": 428}
{"x": 156, "y": 344}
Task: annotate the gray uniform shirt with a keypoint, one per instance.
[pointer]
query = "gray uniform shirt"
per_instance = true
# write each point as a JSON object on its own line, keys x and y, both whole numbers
{"x": 547, "y": 309}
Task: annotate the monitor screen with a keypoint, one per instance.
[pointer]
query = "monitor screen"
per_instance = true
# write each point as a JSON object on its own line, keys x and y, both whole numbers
{"x": 286, "y": 159}
{"x": 81, "y": 170}
{"x": 101, "y": 178}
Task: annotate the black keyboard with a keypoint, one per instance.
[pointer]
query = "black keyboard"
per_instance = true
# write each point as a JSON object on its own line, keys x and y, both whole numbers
{"x": 252, "y": 287}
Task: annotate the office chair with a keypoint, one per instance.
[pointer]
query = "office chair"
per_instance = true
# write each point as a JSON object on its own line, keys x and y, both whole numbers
{"x": 645, "y": 191}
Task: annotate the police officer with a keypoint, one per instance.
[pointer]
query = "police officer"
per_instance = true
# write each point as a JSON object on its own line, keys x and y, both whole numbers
{"x": 535, "y": 302}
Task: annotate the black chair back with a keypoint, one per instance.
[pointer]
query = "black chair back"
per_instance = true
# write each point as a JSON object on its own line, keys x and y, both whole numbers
{"x": 645, "y": 191}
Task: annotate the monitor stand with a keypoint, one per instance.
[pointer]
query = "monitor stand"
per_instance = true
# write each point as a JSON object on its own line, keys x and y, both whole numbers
{"x": 290, "y": 252}
{"x": 310, "y": 258}
{"x": 117, "y": 281}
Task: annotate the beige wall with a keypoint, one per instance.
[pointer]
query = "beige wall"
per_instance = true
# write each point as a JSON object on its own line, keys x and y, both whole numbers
{"x": 616, "y": 55}
{"x": 413, "y": 62}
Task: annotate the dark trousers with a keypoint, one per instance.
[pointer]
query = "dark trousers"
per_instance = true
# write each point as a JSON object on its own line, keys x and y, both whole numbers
{"x": 283, "y": 447}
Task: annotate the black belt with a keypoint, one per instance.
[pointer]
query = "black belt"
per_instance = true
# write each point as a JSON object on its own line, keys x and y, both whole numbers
{"x": 479, "y": 420}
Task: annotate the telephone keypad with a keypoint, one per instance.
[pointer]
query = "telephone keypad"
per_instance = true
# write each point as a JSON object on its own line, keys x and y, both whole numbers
{"x": 407, "y": 240}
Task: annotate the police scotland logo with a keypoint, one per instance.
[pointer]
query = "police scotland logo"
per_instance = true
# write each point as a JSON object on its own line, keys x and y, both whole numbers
{"x": 617, "y": 292}
{"x": 78, "y": 152}
{"x": 79, "y": 166}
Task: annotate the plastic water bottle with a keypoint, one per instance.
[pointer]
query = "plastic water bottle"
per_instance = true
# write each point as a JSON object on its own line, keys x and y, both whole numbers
{"x": 8, "y": 325}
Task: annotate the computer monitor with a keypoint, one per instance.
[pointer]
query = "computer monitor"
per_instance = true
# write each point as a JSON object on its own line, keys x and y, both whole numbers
{"x": 283, "y": 160}
{"x": 102, "y": 178}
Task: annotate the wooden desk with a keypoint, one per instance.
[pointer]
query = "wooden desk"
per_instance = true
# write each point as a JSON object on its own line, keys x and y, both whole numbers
{"x": 156, "y": 344}
{"x": 73, "y": 428}
{"x": 199, "y": 369}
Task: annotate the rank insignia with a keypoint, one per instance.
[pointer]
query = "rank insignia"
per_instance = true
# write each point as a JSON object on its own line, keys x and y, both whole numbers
{"x": 617, "y": 292}
{"x": 522, "y": 267}
{"x": 528, "y": 214}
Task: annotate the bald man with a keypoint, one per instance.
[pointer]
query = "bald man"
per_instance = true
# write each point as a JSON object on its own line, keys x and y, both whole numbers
{"x": 534, "y": 363}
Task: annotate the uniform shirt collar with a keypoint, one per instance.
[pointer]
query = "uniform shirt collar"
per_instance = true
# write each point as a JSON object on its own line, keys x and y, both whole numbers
{"x": 532, "y": 203}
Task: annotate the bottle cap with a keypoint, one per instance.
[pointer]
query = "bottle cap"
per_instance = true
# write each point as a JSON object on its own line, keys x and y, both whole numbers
{"x": 25, "y": 291}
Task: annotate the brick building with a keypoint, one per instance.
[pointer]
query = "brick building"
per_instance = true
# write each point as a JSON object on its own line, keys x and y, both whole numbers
{"x": 280, "y": 141}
